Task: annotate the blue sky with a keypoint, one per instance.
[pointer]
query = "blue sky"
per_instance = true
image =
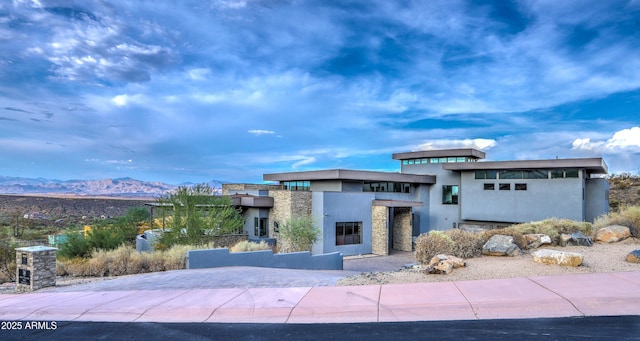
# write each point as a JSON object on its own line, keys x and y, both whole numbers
{"x": 180, "y": 91}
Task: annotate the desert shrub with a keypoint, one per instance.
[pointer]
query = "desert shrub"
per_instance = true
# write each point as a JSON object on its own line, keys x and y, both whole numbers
{"x": 466, "y": 244}
{"x": 298, "y": 234}
{"x": 7, "y": 261}
{"x": 552, "y": 227}
{"x": 75, "y": 245}
{"x": 433, "y": 243}
{"x": 245, "y": 245}
{"x": 627, "y": 216}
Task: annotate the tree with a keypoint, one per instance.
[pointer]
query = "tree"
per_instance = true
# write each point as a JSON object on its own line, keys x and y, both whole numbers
{"x": 298, "y": 234}
{"x": 198, "y": 215}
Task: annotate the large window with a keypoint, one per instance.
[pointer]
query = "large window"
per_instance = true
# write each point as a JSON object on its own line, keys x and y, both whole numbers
{"x": 297, "y": 185}
{"x": 384, "y": 186}
{"x": 486, "y": 174}
{"x": 450, "y": 195}
{"x": 349, "y": 233}
{"x": 564, "y": 173}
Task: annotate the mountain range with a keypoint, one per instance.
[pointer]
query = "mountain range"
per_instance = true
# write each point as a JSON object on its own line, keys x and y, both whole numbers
{"x": 121, "y": 187}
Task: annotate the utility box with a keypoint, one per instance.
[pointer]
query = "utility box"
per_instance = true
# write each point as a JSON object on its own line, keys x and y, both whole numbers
{"x": 36, "y": 267}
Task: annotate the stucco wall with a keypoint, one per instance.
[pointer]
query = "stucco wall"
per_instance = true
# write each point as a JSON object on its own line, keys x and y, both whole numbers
{"x": 332, "y": 207}
{"x": 597, "y": 198}
{"x": 544, "y": 198}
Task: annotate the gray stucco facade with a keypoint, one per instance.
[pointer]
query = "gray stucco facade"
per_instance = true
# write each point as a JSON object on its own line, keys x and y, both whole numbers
{"x": 440, "y": 189}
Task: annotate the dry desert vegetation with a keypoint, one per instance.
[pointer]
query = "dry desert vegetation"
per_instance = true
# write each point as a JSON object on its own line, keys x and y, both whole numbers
{"x": 601, "y": 257}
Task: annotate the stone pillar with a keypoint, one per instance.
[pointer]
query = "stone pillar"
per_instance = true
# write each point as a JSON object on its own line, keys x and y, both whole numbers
{"x": 402, "y": 229}
{"x": 379, "y": 230}
{"x": 36, "y": 267}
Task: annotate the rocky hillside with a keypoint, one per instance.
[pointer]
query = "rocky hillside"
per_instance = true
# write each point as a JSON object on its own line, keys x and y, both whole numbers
{"x": 61, "y": 211}
{"x": 123, "y": 187}
{"x": 624, "y": 190}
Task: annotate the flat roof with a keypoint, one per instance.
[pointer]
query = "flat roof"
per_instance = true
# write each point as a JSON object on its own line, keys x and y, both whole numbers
{"x": 346, "y": 174}
{"x": 593, "y": 165}
{"x": 469, "y": 152}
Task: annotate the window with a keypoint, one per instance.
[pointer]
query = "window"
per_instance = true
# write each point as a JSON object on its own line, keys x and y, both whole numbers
{"x": 571, "y": 173}
{"x": 296, "y": 185}
{"x": 348, "y": 233}
{"x": 511, "y": 174}
{"x": 521, "y": 187}
{"x": 486, "y": 174}
{"x": 260, "y": 227}
{"x": 536, "y": 174}
{"x": 405, "y": 162}
{"x": 434, "y": 160}
{"x": 564, "y": 173}
{"x": 489, "y": 187}
{"x": 410, "y": 162}
{"x": 276, "y": 227}
{"x": 392, "y": 187}
{"x": 461, "y": 159}
{"x": 423, "y": 161}
{"x": 450, "y": 195}
{"x": 505, "y": 187}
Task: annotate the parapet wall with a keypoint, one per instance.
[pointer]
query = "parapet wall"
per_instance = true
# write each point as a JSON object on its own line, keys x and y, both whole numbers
{"x": 214, "y": 258}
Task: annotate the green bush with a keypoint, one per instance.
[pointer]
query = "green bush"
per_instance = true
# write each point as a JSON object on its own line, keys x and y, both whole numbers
{"x": 75, "y": 245}
{"x": 431, "y": 244}
{"x": 626, "y": 216}
{"x": 298, "y": 234}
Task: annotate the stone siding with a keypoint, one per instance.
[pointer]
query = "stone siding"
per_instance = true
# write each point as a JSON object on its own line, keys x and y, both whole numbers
{"x": 380, "y": 234}
{"x": 286, "y": 205}
{"x": 402, "y": 229}
{"x": 39, "y": 262}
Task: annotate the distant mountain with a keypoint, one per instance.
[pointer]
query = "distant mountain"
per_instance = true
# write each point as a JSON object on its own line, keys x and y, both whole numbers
{"x": 120, "y": 187}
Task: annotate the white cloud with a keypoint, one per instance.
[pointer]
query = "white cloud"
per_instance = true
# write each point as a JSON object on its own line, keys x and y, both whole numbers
{"x": 259, "y": 132}
{"x": 482, "y": 144}
{"x": 626, "y": 140}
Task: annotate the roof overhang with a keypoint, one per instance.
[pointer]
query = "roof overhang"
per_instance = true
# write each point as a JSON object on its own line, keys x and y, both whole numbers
{"x": 592, "y": 165}
{"x": 245, "y": 200}
{"x": 468, "y": 152}
{"x": 346, "y": 174}
{"x": 397, "y": 203}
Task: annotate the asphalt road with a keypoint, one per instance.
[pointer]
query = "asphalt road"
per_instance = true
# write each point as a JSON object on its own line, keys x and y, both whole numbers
{"x": 574, "y": 328}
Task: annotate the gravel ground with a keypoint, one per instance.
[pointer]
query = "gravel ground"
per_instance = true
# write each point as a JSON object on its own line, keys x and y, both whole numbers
{"x": 597, "y": 258}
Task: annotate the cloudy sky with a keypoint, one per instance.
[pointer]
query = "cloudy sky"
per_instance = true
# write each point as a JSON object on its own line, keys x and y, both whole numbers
{"x": 180, "y": 91}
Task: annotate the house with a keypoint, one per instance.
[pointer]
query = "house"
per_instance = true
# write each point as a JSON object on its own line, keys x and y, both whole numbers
{"x": 363, "y": 212}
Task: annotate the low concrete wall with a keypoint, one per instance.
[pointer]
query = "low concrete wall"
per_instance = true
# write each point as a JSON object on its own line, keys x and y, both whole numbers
{"x": 214, "y": 258}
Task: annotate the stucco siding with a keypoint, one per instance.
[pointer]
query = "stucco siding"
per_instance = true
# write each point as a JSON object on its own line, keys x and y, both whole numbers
{"x": 542, "y": 199}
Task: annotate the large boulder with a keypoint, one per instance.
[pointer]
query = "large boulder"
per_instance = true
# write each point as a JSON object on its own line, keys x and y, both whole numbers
{"x": 444, "y": 264}
{"x": 633, "y": 256}
{"x": 613, "y": 233}
{"x": 576, "y": 238}
{"x": 534, "y": 240}
{"x": 501, "y": 245}
{"x": 554, "y": 257}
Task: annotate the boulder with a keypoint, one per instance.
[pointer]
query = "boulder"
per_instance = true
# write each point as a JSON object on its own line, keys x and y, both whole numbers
{"x": 554, "y": 257}
{"x": 613, "y": 233}
{"x": 534, "y": 240}
{"x": 501, "y": 245}
{"x": 576, "y": 238}
{"x": 444, "y": 264}
{"x": 633, "y": 256}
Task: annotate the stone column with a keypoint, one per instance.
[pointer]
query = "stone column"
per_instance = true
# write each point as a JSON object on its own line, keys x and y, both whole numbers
{"x": 402, "y": 229}
{"x": 379, "y": 230}
{"x": 36, "y": 267}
